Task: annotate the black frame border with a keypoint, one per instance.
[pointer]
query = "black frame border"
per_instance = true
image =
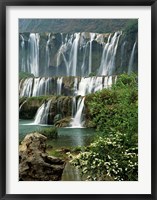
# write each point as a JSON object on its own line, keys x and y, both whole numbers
{"x": 3, "y": 6}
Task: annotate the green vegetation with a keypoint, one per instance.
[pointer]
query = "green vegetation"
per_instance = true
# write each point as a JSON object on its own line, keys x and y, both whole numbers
{"x": 50, "y": 132}
{"x": 25, "y": 75}
{"x": 114, "y": 154}
{"x": 92, "y": 74}
{"x": 131, "y": 27}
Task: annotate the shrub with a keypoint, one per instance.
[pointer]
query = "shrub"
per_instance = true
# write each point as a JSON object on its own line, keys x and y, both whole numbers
{"x": 114, "y": 154}
{"x": 109, "y": 158}
{"x": 49, "y": 132}
{"x": 115, "y": 109}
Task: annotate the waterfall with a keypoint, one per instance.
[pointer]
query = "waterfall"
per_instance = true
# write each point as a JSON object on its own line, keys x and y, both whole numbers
{"x": 77, "y": 120}
{"x": 75, "y": 89}
{"x": 56, "y": 86}
{"x": 122, "y": 53}
{"x": 26, "y": 88}
{"x": 22, "y": 104}
{"x": 98, "y": 84}
{"x": 36, "y": 87}
{"x": 73, "y": 55}
{"x": 73, "y": 106}
{"x": 23, "y": 54}
{"x": 84, "y": 60}
{"x": 109, "y": 83}
{"x": 131, "y": 61}
{"x": 82, "y": 88}
{"x": 47, "y": 52}
{"x": 109, "y": 53}
{"x": 42, "y": 113}
{"x": 59, "y": 85}
{"x": 92, "y": 35}
{"x": 34, "y": 53}
{"x": 48, "y": 86}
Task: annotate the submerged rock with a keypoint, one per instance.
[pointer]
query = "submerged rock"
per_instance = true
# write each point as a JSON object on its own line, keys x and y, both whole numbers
{"x": 35, "y": 164}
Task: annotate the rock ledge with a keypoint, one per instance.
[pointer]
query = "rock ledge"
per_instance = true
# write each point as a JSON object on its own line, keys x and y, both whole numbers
{"x": 35, "y": 164}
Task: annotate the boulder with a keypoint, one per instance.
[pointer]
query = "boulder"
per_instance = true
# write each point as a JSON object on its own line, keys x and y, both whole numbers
{"x": 35, "y": 164}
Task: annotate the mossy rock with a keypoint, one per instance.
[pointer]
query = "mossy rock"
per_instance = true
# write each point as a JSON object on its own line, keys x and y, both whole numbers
{"x": 63, "y": 122}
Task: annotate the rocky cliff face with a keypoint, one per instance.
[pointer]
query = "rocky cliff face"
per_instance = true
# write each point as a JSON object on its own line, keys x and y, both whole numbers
{"x": 35, "y": 164}
{"x": 77, "y": 54}
{"x": 72, "y": 25}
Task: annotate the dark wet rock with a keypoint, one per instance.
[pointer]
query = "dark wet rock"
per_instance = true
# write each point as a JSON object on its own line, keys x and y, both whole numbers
{"x": 35, "y": 164}
{"x": 63, "y": 122}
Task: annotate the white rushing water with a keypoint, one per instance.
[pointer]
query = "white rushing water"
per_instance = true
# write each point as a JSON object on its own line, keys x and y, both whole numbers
{"x": 23, "y": 53}
{"x": 43, "y": 85}
{"x": 59, "y": 85}
{"x": 74, "y": 54}
{"x": 42, "y": 113}
{"x": 47, "y": 52}
{"x": 92, "y": 35}
{"x": 131, "y": 61}
{"x": 34, "y": 53}
{"x": 109, "y": 53}
{"x": 26, "y": 87}
{"x": 77, "y": 120}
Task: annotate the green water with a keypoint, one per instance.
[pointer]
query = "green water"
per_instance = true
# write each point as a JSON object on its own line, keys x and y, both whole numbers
{"x": 67, "y": 137}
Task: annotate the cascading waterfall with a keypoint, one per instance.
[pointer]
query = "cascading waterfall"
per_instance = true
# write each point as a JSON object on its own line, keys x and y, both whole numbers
{"x": 71, "y": 54}
{"x": 47, "y": 52}
{"x": 22, "y": 104}
{"x": 84, "y": 60}
{"x": 122, "y": 53}
{"x": 23, "y": 53}
{"x": 56, "y": 86}
{"x": 108, "y": 57}
{"x": 86, "y": 86}
{"x": 92, "y": 35}
{"x": 77, "y": 120}
{"x": 73, "y": 57}
{"x": 131, "y": 61}
{"x": 34, "y": 53}
{"x": 48, "y": 86}
{"x": 26, "y": 89}
{"x": 42, "y": 113}
{"x": 74, "y": 97}
{"x": 59, "y": 85}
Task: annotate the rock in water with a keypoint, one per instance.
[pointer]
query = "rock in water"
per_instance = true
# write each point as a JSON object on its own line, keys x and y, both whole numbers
{"x": 35, "y": 164}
